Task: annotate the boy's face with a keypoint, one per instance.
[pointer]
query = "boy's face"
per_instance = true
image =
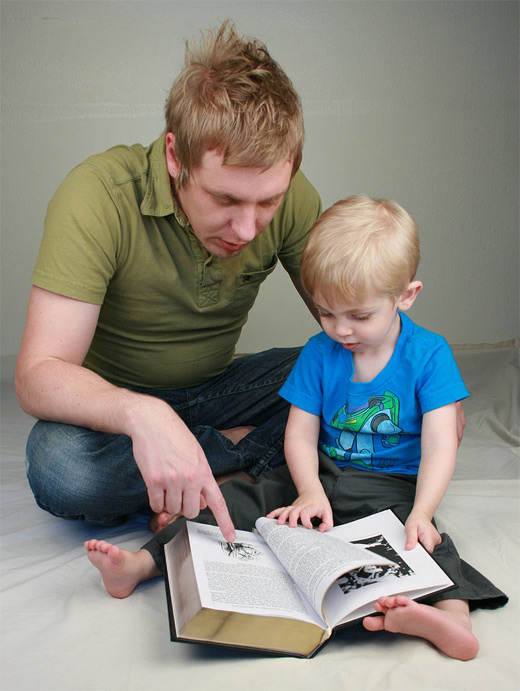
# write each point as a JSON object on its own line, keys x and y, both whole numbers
{"x": 228, "y": 206}
{"x": 373, "y": 325}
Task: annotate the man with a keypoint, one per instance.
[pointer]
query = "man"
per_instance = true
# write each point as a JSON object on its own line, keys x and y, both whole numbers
{"x": 150, "y": 262}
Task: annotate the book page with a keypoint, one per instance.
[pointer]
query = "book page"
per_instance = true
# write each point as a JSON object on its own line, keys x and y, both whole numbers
{"x": 315, "y": 560}
{"x": 244, "y": 576}
{"x": 414, "y": 574}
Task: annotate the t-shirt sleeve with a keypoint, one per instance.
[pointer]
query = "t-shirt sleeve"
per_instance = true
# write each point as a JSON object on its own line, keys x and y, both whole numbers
{"x": 303, "y": 387}
{"x": 81, "y": 238}
{"x": 441, "y": 382}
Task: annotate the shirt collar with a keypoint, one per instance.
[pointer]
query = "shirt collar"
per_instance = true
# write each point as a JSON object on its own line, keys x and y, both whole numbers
{"x": 158, "y": 199}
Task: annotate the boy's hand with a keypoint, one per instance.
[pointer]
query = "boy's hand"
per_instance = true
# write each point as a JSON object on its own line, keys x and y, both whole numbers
{"x": 313, "y": 503}
{"x": 419, "y": 528}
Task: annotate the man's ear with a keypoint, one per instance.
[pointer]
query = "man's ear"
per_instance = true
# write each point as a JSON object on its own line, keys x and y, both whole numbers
{"x": 171, "y": 158}
{"x": 408, "y": 296}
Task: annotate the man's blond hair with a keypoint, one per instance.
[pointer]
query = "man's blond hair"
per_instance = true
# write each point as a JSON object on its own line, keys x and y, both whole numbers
{"x": 233, "y": 98}
{"x": 361, "y": 248}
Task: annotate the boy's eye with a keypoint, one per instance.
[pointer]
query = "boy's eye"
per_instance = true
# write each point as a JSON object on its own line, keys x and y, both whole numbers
{"x": 361, "y": 317}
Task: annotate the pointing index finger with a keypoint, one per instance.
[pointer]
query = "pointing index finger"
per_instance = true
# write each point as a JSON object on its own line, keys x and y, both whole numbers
{"x": 217, "y": 504}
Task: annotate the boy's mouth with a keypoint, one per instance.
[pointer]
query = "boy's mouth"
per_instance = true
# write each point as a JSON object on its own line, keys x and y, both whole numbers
{"x": 350, "y": 346}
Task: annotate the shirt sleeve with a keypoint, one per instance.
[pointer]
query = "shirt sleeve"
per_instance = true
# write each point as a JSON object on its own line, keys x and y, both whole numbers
{"x": 303, "y": 387}
{"x": 81, "y": 239}
{"x": 441, "y": 382}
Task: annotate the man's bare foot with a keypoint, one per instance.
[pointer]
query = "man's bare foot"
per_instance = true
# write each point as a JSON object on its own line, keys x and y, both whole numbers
{"x": 121, "y": 570}
{"x": 158, "y": 521}
{"x": 446, "y": 625}
{"x": 237, "y": 475}
{"x": 236, "y": 434}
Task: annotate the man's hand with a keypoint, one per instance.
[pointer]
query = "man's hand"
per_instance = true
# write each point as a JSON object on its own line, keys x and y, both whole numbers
{"x": 173, "y": 465}
{"x": 52, "y": 384}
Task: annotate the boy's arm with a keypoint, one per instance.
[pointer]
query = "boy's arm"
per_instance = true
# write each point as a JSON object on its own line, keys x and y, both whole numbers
{"x": 461, "y": 421}
{"x": 301, "y": 453}
{"x": 439, "y": 443}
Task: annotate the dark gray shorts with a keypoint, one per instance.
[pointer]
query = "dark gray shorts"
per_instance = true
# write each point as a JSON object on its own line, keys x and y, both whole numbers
{"x": 353, "y": 494}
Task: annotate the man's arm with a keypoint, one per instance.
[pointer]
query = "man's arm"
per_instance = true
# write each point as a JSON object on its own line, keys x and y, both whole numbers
{"x": 52, "y": 384}
{"x": 305, "y": 297}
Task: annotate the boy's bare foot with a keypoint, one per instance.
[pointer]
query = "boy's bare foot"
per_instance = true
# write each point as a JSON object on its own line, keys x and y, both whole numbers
{"x": 121, "y": 570}
{"x": 447, "y": 625}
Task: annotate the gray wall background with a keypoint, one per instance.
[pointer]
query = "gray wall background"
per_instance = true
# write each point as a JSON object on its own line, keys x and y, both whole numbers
{"x": 412, "y": 99}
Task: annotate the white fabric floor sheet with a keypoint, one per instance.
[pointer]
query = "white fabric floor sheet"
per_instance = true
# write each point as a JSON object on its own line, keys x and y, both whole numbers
{"x": 62, "y": 631}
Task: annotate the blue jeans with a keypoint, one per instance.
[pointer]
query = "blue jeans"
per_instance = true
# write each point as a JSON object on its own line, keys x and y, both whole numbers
{"x": 79, "y": 473}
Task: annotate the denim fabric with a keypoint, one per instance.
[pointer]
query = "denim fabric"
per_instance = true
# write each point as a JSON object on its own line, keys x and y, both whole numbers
{"x": 78, "y": 473}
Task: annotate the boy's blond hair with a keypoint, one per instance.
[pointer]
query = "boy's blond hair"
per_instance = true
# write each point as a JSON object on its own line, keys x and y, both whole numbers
{"x": 361, "y": 248}
{"x": 232, "y": 97}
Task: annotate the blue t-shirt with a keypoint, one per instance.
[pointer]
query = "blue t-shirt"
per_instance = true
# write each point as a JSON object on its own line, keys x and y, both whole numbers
{"x": 375, "y": 425}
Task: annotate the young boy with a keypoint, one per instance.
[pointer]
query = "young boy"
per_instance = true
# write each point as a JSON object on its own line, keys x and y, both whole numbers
{"x": 373, "y": 391}
{"x": 372, "y": 422}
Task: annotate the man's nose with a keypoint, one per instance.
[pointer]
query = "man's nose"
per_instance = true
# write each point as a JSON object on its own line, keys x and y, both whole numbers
{"x": 245, "y": 225}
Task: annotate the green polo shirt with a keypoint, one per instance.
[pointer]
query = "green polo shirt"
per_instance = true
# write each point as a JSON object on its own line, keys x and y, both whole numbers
{"x": 171, "y": 313}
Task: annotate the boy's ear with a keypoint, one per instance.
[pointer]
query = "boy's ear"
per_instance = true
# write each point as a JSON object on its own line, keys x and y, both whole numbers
{"x": 408, "y": 296}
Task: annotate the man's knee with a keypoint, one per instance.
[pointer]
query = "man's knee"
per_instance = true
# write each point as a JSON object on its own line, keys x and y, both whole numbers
{"x": 77, "y": 473}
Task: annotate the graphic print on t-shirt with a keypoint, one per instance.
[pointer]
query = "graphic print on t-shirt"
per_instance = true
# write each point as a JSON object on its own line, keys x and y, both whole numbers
{"x": 365, "y": 430}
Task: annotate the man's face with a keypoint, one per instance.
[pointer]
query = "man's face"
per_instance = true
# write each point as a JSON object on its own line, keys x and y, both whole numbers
{"x": 228, "y": 206}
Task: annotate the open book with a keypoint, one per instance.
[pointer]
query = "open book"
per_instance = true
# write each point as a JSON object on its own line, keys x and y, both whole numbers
{"x": 285, "y": 590}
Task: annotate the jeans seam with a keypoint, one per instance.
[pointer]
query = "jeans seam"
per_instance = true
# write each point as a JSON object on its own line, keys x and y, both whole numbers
{"x": 264, "y": 461}
{"x": 234, "y": 390}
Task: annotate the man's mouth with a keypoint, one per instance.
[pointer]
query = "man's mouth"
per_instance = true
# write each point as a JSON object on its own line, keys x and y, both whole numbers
{"x": 231, "y": 246}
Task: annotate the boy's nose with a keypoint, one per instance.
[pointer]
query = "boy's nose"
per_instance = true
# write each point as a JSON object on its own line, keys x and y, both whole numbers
{"x": 343, "y": 328}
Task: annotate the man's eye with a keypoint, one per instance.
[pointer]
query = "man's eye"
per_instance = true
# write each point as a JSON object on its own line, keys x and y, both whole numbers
{"x": 270, "y": 203}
